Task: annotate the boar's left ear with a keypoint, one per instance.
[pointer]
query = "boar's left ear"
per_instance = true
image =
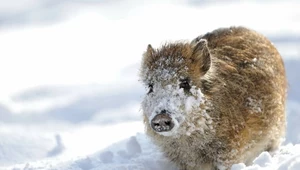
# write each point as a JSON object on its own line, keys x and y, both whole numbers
{"x": 202, "y": 56}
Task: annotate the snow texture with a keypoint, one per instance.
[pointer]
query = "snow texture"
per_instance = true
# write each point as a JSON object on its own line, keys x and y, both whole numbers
{"x": 138, "y": 153}
{"x": 58, "y": 149}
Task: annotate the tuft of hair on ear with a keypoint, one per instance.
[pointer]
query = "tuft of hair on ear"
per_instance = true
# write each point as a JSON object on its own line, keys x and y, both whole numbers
{"x": 150, "y": 49}
{"x": 202, "y": 55}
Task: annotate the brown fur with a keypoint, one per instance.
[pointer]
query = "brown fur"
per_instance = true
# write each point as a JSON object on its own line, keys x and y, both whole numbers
{"x": 242, "y": 77}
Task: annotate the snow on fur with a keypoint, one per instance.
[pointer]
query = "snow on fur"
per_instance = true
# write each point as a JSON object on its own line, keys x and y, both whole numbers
{"x": 174, "y": 99}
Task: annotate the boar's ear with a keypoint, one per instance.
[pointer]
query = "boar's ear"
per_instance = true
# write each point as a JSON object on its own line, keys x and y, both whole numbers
{"x": 202, "y": 56}
{"x": 150, "y": 49}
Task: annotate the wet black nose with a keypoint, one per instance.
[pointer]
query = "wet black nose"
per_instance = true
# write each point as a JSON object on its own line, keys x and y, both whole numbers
{"x": 162, "y": 122}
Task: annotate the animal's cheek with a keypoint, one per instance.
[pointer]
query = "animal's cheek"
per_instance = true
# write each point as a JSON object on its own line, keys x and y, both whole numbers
{"x": 152, "y": 106}
{"x": 180, "y": 119}
{"x": 147, "y": 107}
{"x": 148, "y": 113}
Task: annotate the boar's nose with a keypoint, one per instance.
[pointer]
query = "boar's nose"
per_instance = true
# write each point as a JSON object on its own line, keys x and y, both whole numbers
{"x": 162, "y": 122}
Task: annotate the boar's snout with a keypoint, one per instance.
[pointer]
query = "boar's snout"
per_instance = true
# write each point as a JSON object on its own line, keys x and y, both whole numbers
{"x": 162, "y": 122}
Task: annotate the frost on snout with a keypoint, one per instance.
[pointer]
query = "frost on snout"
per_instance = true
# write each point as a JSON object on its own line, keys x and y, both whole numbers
{"x": 167, "y": 107}
{"x": 163, "y": 108}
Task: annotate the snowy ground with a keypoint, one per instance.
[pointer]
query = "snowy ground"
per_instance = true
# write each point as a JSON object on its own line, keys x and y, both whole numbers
{"x": 70, "y": 96}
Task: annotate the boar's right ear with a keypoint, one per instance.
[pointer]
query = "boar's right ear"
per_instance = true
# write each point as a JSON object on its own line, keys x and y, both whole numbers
{"x": 150, "y": 49}
{"x": 202, "y": 56}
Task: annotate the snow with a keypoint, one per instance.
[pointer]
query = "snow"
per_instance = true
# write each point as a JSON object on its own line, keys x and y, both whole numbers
{"x": 238, "y": 166}
{"x": 70, "y": 96}
{"x": 286, "y": 158}
{"x": 263, "y": 159}
{"x": 254, "y": 104}
{"x": 137, "y": 152}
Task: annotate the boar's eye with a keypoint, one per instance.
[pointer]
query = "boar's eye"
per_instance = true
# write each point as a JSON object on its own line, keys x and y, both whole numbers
{"x": 150, "y": 87}
{"x": 185, "y": 84}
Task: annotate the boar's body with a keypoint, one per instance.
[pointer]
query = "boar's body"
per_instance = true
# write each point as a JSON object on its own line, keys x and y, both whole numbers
{"x": 222, "y": 97}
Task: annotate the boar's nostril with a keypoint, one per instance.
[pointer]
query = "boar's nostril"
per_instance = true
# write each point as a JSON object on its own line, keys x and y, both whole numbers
{"x": 168, "y": 123}
{"x": 156, "y": 124}
{"x": 163, "y": 112}
{"x": 162, "y": 123}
